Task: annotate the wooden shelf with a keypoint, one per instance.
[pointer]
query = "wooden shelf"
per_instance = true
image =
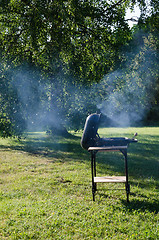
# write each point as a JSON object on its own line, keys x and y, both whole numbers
{"x": 111, "y": 148}
{"x": 110, "y": 179}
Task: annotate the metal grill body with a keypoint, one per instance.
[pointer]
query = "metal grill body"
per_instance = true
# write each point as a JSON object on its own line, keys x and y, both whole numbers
{"x": 92, "y": 142}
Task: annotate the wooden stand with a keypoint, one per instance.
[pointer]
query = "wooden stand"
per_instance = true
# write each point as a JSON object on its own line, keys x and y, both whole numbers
{"x": 108, "y": 179}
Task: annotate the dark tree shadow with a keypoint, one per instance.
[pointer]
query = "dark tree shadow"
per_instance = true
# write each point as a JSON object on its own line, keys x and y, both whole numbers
{"x": 142, "y": 205}
{"x": 142, "y": 157}
{"x": 142, "y": 161}
{"x": 49, "y": 146}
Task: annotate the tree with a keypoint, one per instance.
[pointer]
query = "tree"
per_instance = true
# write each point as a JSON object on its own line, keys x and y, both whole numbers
{"x": 64, "y": 34}
{"x": 61, "y": 44}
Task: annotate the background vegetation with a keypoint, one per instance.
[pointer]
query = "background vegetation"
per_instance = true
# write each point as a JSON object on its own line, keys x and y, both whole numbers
{"x": 54, "y": 56}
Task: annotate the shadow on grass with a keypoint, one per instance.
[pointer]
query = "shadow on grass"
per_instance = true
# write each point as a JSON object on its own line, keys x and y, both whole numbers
{"x": 49, "y": 147}
{"x": 142, "y": 205}
{"x": 142, "y": 161}
{"x": 142, "y": 157}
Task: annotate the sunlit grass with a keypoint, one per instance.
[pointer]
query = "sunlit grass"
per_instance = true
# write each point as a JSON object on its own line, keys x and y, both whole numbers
{"x": 45, "y": 189}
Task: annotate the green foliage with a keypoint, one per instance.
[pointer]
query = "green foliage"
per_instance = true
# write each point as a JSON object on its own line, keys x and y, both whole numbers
{"x": 49, "y": 50}
{"x": 11, "y": 114}
{"x": 5, "y": 127}
{"x": 83, "y": 37}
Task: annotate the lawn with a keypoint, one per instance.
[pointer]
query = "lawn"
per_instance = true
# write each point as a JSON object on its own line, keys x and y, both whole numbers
{"x": 45, "y": 189}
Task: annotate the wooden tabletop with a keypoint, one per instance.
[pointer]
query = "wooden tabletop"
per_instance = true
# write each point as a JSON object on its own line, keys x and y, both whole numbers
{"x": 110, "y": 179}
{"x": 106, "y": 148}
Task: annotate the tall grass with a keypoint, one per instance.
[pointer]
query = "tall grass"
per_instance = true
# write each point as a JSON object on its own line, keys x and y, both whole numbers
{"x": 45, "y": 189}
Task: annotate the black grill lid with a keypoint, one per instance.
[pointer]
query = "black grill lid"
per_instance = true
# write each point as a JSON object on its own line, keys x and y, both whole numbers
{"x": 90, "y": 131}
{"x": 90, "y": 137}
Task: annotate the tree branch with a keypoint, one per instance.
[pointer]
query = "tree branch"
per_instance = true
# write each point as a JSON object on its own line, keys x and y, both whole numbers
{"x": 115, "y": 4}
{"x": 132, "y": 19}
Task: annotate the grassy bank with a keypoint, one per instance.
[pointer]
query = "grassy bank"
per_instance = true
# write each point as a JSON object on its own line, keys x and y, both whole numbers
{"x": 45, "y": 189}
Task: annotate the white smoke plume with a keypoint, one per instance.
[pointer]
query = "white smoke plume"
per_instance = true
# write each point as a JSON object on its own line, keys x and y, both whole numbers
{"x": 129, "y": 91}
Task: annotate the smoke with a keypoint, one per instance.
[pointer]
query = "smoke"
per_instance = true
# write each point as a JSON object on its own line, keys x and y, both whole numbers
{"x": 129, "y": 91}
{"x": 32, "y": 94}
{"x": 124, "y": 108}
{"x": 124, "y": 95}
{"x": 47, "y": 104}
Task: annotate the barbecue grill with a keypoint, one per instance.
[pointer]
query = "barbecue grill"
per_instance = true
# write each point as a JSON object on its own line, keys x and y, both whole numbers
{"x": 92, "y": 142}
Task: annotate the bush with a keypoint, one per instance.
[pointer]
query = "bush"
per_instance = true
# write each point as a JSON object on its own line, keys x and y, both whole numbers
{"x": 5, "y": 127}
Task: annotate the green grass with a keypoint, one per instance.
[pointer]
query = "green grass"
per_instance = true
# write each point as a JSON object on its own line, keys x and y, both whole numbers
{"x": 45, "y": 189}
